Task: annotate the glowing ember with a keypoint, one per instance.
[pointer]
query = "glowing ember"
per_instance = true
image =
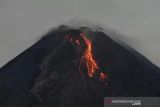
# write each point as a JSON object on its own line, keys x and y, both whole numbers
{"x": 103, "y": 76}
{"x": 77, "y": 42}
{"x": 87, "y": 57}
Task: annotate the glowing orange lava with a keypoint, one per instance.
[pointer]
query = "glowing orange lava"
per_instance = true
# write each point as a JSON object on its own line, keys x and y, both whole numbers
{"x": 87, "y": 57}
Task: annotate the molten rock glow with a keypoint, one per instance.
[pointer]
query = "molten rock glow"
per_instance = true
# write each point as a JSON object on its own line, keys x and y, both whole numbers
{"x": 87, "y": 57}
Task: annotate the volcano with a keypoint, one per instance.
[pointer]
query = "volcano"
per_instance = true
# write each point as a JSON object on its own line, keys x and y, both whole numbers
{"x": 76, "y": 67}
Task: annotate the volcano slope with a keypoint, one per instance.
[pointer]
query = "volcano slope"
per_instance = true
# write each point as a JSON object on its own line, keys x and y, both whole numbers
{"x": 58, "y": 71}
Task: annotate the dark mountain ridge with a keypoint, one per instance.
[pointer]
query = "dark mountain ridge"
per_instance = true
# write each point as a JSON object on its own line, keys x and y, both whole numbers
{"x": 45, "y": 75}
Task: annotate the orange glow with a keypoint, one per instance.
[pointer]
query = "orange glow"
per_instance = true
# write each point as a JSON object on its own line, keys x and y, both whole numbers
{"x": 88, "y": 58}
{"x": 103, "y": 76}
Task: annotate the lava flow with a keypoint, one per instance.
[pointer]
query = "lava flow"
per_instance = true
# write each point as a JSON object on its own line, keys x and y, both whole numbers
{"x": 87, "y": 57}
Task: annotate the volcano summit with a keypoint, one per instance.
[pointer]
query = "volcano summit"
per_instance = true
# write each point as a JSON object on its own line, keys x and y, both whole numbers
{"x": 76, "y": 67}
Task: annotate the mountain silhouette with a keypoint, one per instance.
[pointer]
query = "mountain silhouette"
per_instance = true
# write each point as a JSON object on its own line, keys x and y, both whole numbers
{"x": 47, "y": 73}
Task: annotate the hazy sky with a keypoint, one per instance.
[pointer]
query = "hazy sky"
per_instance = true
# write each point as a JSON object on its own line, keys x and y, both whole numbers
{"x": 22, "y": 22}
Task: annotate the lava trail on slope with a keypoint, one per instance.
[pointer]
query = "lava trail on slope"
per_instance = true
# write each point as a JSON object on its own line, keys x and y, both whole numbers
{"x": 76, "y": 67}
